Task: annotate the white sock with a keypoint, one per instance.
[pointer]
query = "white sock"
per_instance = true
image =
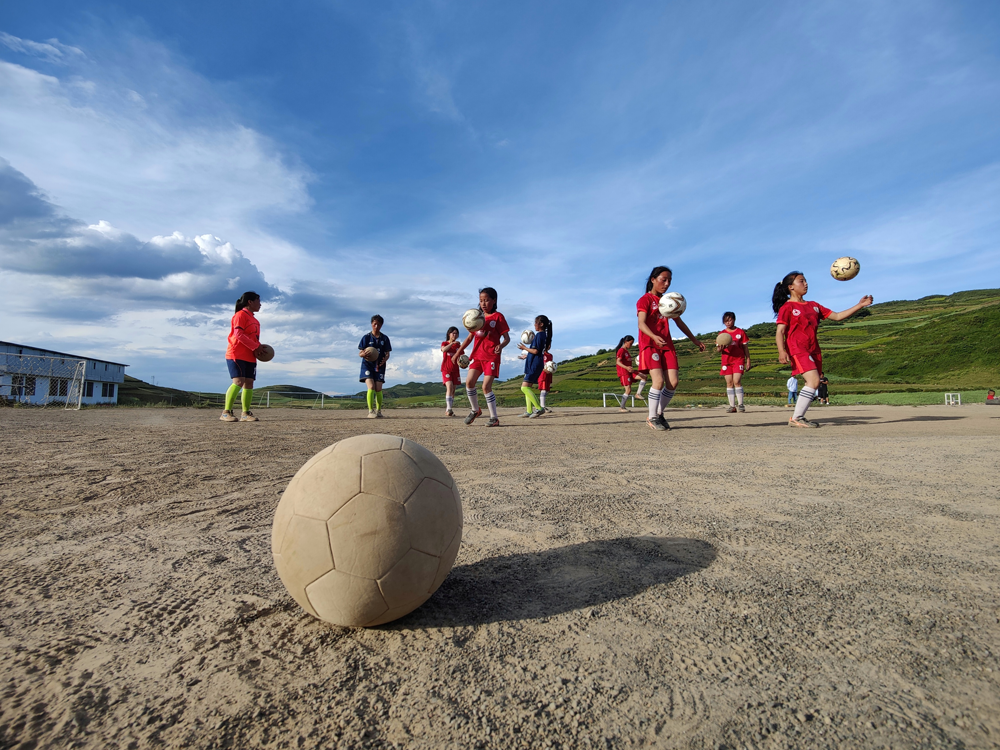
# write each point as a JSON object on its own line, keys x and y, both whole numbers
{"x": 739, "y": 395}
{"x": 491, "y": 404}
{"x": 450, "y": 402}
{"x": 473, "y": 398}
{"x": 541, "y": 398}
{"x": 625, "y": 399}
{"x": 665, "y": 396}
{"x": 731, "y": 395}
{"x": 653, "y": 399}
{"x": 642, "y": 384}
{"x": 806, "y": 395}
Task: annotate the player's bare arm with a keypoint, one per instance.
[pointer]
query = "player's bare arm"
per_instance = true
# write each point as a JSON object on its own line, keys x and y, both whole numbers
{"x": 461, "y": 349}
{"x": 845, "y": 314}
{"x": 687, "y": 332}
{"x": 779, "y": 339}
{"x": 655, "y": 337}
{"x": 504, "y": 340}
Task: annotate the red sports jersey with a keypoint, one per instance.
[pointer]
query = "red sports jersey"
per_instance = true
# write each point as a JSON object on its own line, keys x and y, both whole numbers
{"x": 244, "y": 337}
{"x": 487, "y": 338}
{"x": 649, "y": 303}
{"x": 545, "y": 378}
{"x": 623, "y": 355}
{"x": 446, "y": 354}
{"x": 802, "y": 319}
{"x": 734, "y": 353}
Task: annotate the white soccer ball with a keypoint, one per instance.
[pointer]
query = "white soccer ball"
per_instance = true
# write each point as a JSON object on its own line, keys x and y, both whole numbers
{"x": 367, "y": 530}
{"x": 550, "y": 366}
{"x": 473, "y": 319}
{"x": 463, "y": 361}
{"x": 672, "y": 305}
{"x": 845, "y": 269}
{"x": 527, "y": 336}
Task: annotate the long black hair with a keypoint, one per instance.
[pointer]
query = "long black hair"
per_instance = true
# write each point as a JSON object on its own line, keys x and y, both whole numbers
{"x": 654, "y": 273}
{"x": 546, "y": 325}
{"x": 448, "y": 332}
{"x": 245, "y": 299}
{"x": 781, "y": 294}
{"x": 624, "y": 339}
{"x": 728, "y": 314}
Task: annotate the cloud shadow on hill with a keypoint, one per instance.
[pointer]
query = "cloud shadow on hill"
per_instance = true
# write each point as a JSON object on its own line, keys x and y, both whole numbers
{"x": 532, "y": 585}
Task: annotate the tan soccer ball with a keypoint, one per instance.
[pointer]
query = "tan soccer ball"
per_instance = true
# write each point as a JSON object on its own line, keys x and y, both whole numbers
{"x": 723, "y": 340}
{"x": 367, "y": 530}
{"x": 371, "y": 353}
{"x": 845, "y": 269}
{"x": 463, "y": 361}
{"x": 473, "y": 319}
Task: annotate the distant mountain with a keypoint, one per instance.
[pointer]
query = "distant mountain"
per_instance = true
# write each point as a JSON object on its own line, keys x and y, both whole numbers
{"x": 408, "y": 390}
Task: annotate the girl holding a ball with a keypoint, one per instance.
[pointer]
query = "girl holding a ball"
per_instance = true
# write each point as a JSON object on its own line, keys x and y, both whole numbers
{"x": 241, "y": 356}
{"x": 626, "y": 371}
{"x": 490, "y": 341}
{"x": 735, "y": 361}
{"x": 534, "y": 362}
{"x": 450, "y": 372}
{"x": 656, "y": 349}
{"x": 798, "y": 320}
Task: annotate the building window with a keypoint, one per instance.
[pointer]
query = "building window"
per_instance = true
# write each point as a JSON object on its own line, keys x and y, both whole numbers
{"x": 58, "y": 386}
{"x": 107, "y": 390}
{"x": 22, "y": 385}
{"x": 88, "y": 389}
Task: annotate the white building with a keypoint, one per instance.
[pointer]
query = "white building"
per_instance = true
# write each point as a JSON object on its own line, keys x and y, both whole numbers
{"x": 41, "y": 376}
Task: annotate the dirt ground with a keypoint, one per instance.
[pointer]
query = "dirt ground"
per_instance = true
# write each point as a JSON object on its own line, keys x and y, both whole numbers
{"x": 732, "y": 583}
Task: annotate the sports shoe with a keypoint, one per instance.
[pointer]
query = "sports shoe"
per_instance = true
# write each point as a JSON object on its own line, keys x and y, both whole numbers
{"x": 623, "y": 409}
{"x": 472, "y": 416}
{"x": 378, "y": 414}
{"x": 656, "y": 424}
{"x": 801, "y": 422}
{"x": 536, "y": 413}
{"x": 663, "y": 422}
{"x": 731, "y": 410}
{"x": 741, "y": 408}
{"x": 248, "y": 416}
{"x": 526, "y": 414}
{"x": 371, "y": 414}
{"x": 449, "y": 413}
{"x": 228, "y": 416}
{"x": 546, "y": 409}
{"x": 494, "y": 422}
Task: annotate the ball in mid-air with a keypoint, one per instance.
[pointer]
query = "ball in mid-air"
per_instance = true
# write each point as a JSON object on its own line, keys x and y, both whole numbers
{"x": 723, "y": 340}
{"x": 527, "y": 336}
{"x": 473, "y": 319}
{"x": 463, "y": 361}
{"x": 845, "y": 269}
{"x": 371, "y": 353}
{"x": 672, "y": 305}
{"x": 549, "y": 367}
{"x": 265, "y": 353}
{"x": 367, "y": 530}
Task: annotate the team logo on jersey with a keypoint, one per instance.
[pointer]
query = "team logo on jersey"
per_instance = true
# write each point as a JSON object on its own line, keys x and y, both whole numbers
{"x": 493, "y": 324}
{"x": 367, "y": 373}
{"x": 796, "y": 313}
{"x": 656, "y": 357}
{"x": 816, "y": 309}
{"x": 724, "y": 367}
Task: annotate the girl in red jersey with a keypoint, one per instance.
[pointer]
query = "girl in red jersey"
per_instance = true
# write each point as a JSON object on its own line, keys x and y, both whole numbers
{"x": 656, "y": 349}
{"x": 545, "y": 379}
{"x": 735, "y": 361}
{"x": 241, "y": 356}
{"x": 798, "y": 320}
{"x": 450, "y": 372}
{"x": 626, "y": 372}
{"x": 490, "y": 341}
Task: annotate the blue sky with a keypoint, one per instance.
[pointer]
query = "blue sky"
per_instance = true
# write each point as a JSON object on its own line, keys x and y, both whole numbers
{"x": 350, "y": 158}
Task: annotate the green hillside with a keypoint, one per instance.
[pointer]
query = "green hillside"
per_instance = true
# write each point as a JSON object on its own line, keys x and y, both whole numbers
{"x": 934, "y": 344}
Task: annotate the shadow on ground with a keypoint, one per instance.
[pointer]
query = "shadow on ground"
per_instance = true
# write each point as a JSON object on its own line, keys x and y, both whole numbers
{"x": 531, "y": 585}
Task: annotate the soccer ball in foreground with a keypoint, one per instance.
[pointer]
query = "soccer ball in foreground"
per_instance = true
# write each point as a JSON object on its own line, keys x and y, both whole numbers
{"x": 672, "y": 305}
{"x": 723, "y": 340}
{"x": 367, "y": 530}
{"x": 463, "y": 361}
{"x": 371, "y": 353}
{"x": 845, "y": 269}
{"x": 550, "y": 366}
{"x": 265, "y": 353}
{"x": 527, "y": 336}
{"x": 473, "y": 319}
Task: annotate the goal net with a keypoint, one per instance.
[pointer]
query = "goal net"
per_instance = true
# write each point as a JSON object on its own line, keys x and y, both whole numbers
{"x": 36, "y": 380}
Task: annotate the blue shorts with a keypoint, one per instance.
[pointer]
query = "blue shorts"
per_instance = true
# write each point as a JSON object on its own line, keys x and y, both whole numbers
{"x": 368, "y": 371}
{"x": 239, "y": 368}
{"x": 532, "y": 377}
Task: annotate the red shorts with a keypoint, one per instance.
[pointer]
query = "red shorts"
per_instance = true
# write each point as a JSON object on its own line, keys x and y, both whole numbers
{"x": 806, "y": 361}
{"x": 453, "y": 375}
{"x": 626, "y": 379}
{"x": 658, "y": 359}
{"x": 732, "y": 366}
{"x": 488, "y": 366}
{"x": 544, "y": 381}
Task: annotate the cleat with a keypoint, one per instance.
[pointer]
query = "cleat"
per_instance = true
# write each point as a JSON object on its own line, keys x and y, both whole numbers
{"x": 741, "y": 408}
{"x": 526, "y": 414}
{"x": 731, "y": 410}
{"x": 378, "y": 414}
{"x": 536, "y": 413}
{"x": 371, "y": 414}
{"x": 663, "y": 421}
{"x": 472, "y": 416}
{"x": 546, "y": 409}
{"x": 801, "y": 422}
{"x": 248, "y": 416}
{"x": 494, "y": 422}
{"x": 228, "y": 416}
{"x": 449, "y": 413}
{"x": 623, "y": 409}
{"x": 655, "y": 424}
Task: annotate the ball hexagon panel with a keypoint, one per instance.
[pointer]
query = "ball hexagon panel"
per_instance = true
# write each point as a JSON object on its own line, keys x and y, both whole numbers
{"x": 430, "y": 465}
{"x": 362, "y": 445}
{"x": 432, "y": 517}
{"x": 368, "y": 536}
{"x": 323, "y": 488}
{"x": 303, "y": 555}
{"x": 390, "y": 474}
{"x": 409, "y": 581}
{"x": 347, "y": 600}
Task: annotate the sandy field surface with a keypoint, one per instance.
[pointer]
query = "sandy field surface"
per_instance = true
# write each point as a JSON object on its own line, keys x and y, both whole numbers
{"x": 732, "y": 583}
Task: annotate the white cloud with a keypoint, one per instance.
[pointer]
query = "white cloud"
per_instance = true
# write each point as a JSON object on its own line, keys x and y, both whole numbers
{"x": 52, "y": 51}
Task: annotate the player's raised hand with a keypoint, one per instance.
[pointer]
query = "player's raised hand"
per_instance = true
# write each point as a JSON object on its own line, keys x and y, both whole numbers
{"x": 866, "y": 300}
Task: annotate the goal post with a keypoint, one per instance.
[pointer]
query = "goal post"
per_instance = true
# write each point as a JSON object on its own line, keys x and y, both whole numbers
{"x": 39, "y": 380}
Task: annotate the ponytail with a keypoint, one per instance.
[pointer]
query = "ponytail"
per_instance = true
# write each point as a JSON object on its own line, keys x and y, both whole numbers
{"x": 622, "y": 343}
{"x": 781, "y": 294}
{"x": 547, "y": 328}
{"x": 653, "y": 274}
{"x": 245, "y": 299}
